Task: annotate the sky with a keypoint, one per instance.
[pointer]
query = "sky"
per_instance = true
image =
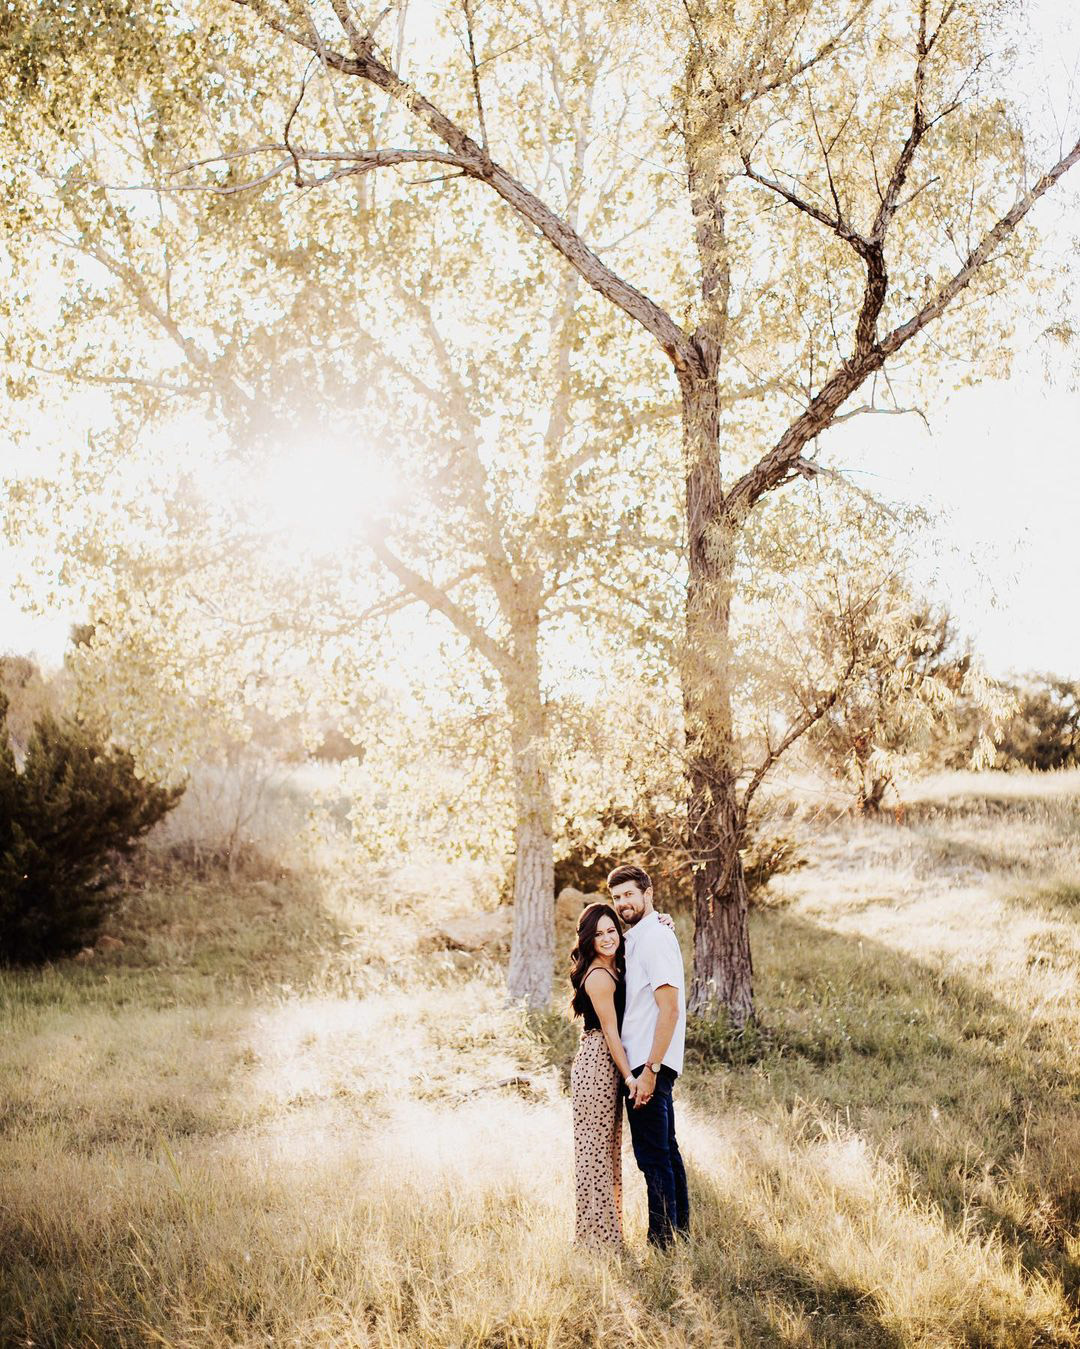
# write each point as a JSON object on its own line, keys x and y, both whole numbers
{"x": 998, "y": 465}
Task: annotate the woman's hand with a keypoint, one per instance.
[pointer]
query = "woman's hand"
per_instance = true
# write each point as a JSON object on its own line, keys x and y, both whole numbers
{"x": 646, "y": 1085}
{"x": 667, "y": 920}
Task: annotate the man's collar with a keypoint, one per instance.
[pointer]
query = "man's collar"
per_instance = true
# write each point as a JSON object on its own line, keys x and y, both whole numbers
{"x": 640, "y": 924}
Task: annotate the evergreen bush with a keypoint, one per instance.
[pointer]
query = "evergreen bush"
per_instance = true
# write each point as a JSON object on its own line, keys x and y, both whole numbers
{"x": 67, "y": 817}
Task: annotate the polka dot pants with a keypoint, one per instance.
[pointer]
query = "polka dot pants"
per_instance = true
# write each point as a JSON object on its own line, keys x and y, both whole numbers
{"x": 597, "y": 1108}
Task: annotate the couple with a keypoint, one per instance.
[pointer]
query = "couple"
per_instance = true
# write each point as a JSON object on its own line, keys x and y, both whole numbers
{"x": 630, "y": 994}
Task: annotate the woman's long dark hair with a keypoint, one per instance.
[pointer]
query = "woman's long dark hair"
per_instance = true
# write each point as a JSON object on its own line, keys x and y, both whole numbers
{"x": 584, "y": 952}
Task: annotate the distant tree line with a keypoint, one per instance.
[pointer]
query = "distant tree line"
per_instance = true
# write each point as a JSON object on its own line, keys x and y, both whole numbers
{"x": 72, "y": 804}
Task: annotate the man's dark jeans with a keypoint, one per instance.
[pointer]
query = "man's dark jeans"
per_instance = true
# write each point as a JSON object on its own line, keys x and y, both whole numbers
{"x": 656, "y": 1151}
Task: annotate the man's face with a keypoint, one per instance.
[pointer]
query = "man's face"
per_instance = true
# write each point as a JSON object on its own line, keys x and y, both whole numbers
{"x": 630, "y": 903}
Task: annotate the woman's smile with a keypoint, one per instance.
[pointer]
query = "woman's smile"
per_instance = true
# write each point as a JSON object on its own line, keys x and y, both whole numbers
{"x": 606, "y": 940}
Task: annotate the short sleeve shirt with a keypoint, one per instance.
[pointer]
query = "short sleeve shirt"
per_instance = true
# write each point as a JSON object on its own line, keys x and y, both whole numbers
{"x": 653, "y": 959}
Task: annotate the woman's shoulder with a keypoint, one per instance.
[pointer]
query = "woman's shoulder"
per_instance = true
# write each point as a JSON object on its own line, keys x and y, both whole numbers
{"x": 611, "y": 977}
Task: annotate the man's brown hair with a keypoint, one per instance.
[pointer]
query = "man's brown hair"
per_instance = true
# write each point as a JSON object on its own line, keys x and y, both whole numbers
{"x": 629, "y": 872}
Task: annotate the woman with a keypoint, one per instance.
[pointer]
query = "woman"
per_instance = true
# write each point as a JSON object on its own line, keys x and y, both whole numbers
{"x": 600, "y": 1065}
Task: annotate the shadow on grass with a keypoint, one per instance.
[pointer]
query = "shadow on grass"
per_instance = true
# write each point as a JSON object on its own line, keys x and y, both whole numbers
{"x": 996, "y": 861}
{"x": 979, "y": 1102}
{"x": 837, "y": 1315}
{"x": 1057, "y": 899}
{"x": 1025, "y": 868}
{"x": 986, "y": 798}
{"x": 972, "y": 1096}
{"x": 1029, "y": 887}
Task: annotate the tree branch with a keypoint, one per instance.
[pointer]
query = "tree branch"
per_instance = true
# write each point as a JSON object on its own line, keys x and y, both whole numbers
{"x": 436, "y": 598}
{"x": 130, "y": 277}
{"x": 821, "y": 412}
{"x": 825, "y": 50}
{"x": 835, "y": 223}
{"x": 871, "y": 247}
{"x": 795, "y": 731}
{"x": 467, "y": 7}
{"x": 290, "y": 119}
{"x": 361, "y": 43}
{"x": 979, "y": 256}
{"x": 492, "y": 520}
{"x": 474, "y": 161}
{"x": 352, "y": 163}
{"x": 128, "y": 381}
{"x": 877, "y": 279}
{"x": 867, "y": 409}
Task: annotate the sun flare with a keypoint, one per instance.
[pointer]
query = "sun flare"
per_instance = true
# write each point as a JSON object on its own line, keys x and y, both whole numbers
{"x": 321, "y": 497}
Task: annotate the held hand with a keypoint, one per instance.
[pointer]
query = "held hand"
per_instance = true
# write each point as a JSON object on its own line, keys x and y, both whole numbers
{"x": 667, "y": 920}
{"x": 646, "y": 1085}
{"x": 631, "y": 1089}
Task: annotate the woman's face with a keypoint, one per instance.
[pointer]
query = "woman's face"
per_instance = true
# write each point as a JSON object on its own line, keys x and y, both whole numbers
{"x": 607, "y": 937}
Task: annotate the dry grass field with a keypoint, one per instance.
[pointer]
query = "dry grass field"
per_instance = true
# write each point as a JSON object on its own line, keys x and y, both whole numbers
{"x": 272, "y": 1119}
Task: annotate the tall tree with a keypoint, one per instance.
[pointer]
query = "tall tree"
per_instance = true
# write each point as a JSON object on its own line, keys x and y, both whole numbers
{"x": 507, "y": 525}
{"x": 860, "y": 152}
{"x": 809, "y": 189}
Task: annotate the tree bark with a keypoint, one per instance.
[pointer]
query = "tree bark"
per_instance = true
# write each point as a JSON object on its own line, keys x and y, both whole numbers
{"x": 532, "y": 949}
{"x": 723, "y": 972}
{"x": 722, "y": 979}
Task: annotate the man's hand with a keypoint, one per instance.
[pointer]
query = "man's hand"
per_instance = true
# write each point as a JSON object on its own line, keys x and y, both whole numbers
{"x": 646, "y": 1085}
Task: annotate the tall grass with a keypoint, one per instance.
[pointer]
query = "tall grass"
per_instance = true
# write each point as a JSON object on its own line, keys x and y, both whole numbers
{"x": 273, "y": 1118}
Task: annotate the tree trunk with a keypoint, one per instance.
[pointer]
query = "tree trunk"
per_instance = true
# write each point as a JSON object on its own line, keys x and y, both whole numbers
{"x": 722, "y": 975}
{"x": 723, "y": 971}
{"x": 872, "y": 792}
{"x": 532, "y": 949}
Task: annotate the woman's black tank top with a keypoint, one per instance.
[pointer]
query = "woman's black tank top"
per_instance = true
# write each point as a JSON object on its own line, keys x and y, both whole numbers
{"x": 588, "y": 1012}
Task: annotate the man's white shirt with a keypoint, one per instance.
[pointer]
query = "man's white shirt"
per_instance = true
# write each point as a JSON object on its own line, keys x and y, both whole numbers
{"x": 653, "y": 959}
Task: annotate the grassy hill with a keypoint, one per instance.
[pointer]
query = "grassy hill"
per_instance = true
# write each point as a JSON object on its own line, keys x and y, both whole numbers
{"x": 273, "y": 1118}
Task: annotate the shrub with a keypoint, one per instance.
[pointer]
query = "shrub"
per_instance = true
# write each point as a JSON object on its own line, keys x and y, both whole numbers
{"x": 765, "y": 854}
{"x": 1044, "y": 732}
{"x": 656, "y": 844}
{"x": 658, "y": 847}
{"x": 915, "y": 698}
{"x": 66, "y": 819}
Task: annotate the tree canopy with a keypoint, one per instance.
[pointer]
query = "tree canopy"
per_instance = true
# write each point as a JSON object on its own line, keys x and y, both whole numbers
{"x": 516, "y": 243}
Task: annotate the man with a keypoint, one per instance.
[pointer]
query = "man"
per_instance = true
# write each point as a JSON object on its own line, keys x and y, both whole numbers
{"x": 653, "y": 1035}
